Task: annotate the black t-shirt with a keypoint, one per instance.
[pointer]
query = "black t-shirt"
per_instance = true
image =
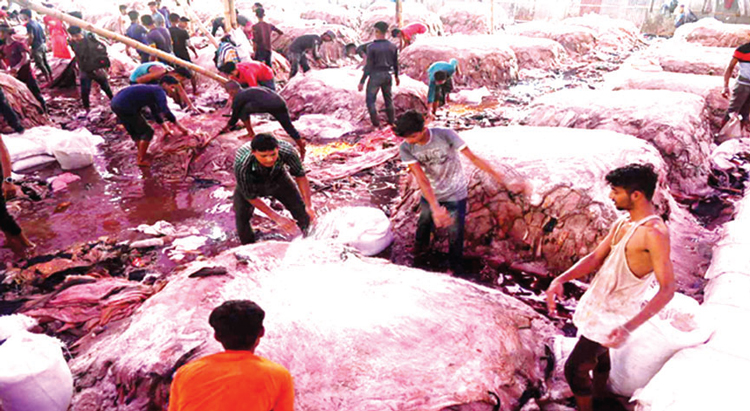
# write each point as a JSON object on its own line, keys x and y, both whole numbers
{"x": 255, "y": 100}
{"x": 180, "y": 38}
{"x": 304, "y": 43}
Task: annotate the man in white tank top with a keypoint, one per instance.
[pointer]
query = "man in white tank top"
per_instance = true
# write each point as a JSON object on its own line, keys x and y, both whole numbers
{"x": 628, "y": 260}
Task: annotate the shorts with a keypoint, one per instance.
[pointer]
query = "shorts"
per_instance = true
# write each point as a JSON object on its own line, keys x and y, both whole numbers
{"x": 137, "y": 127}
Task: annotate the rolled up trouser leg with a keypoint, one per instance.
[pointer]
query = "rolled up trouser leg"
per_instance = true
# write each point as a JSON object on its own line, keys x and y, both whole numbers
{"x": 243, "y": 212}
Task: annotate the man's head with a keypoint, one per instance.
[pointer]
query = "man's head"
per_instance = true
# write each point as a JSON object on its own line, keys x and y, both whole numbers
{"x": 76, "y": 34}
{"x": 381, "y": 28}
{"x": 229, "y": 68}
{"x": 410, "y": 127}
{"x": 183, "y": 22}
{"x": 440, "y": 77}
{"x": 395, "y": 33}
{"x": 328, "y": 36}
{"x": 232, "y": 87}
{"x": 237, "y": 324}
{"x": 265, "y": 149}
{"x": 152, "y": 6}
{"x": 632, "y": 185}
{"x": 260, "y": 13}
{"x": 350, "y": 49}
{"x": 25, "y": 15}
{"x": 182, "y": 73}
{"x": 76, "y": 14}
{"x": 147, "y": 21}
{"x": 257, "y": 6}
{"x": 133, "y": 15}
{"x": 174, "y": 18}
{"x": 170, "y": 84}
{"x": 123, "y": 9}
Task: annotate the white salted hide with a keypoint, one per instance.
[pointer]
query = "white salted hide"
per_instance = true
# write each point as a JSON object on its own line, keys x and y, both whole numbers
{"x": 713, "y": 33}
{"x": 34, "y": 375}
{"x": 356, "y": 333}
{"x": 365, "y": 229}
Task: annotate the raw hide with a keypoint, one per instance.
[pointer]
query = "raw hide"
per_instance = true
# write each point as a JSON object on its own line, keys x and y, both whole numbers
{"x": 411, "y": 13}
{"x": 23, "y": 102}
{"x": 356, "y": 334}
{"x": 576, "y": 40}
{"x": 682, "y": 57}
{"x": 565, "y": 169}
{"x": 331, "y": 51}
{"x": 334, "y": 92}
{"x": 458, "y": 18}
{"x": 490, "y": 61}
{"x": 713, "y": 33}
{"x": 673, "y": 122}
{"x": 335, "y": 15}
{"x": 612, "y": 35}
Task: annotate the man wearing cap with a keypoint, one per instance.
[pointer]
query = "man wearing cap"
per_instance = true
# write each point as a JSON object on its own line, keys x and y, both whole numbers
{"x": 299, "y": 47}
{"x": 382, "y": 59}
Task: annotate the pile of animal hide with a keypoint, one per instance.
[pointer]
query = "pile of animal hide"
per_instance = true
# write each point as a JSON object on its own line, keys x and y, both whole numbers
{"x": 536, "y": 53}
{"x": 576, "y": 40}
{"x": 122, "y": 65}
{"x": 567, "y": 210}
{"x": 331, "y": 51}
{"x": 713, "y": 33}
{"x": 671, "y": 121}
{"x": 612, "y": 35}
{"x": 331, "y": 14}
{"x": 490, "y": 61}
{"x": 412, "y": 13}
{"x": 708, "y": 87}
{"x": 681, "y": 57}
{"x": 459, "y": 18}
{"x": 334, "y": 92}
{"x": 21, "y": 100}
{"x": 452, "y": 341}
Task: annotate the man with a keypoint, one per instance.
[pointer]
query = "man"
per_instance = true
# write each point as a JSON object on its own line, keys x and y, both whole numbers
{"x": 164, "y": 11}
{"x": 634, "y": 252}
{"x": 382, "y": 58}
{"x": 93, "y": 63}
{"x": 37, "y": 42}
{"x": 137, "y": 33}
{"x": 259, "y": 170}
{"x": 684, "y": 15}
{"x": 256, "y": 100}
{"x": 218, "y": 22}
{"x": 157, "y": 37}
{"x": 235, "y": 379}
{"x": 14, "y": 236}
{"x": 181, "y": 43}
{"x": 227, "y": 52}
{"x": 15, "y": 59}
{"x": 740, "y": 101}
{"x": 440, "y": 75}
{"x": 407, "y": 35}
{"x": 156, "y": 16}
{"x": 250, "y": 74}
{"x": 123, "y": 20}
{"x": 351, "y": 50}
{"x": 127, "y": 105}
{"x": 299, "y": 47}
{"x": 262, "y": 38}
{"x": 152, "y": 72}
{"x": 432, "y": 157}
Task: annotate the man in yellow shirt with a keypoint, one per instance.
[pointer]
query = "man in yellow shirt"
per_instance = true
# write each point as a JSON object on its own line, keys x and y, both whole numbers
{"x": 235, "y": 379}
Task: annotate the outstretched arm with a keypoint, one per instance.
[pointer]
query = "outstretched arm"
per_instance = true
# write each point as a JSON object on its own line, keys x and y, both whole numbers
{"x": 484, "y": 166}
{"x": 728, "y": 75}
{"x": 439, "y": 213}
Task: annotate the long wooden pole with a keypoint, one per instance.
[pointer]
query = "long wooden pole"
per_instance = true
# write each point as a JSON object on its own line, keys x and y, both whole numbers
{"x": 122, "y": 39}
{"x": 202, "y": 27}
{"x": 492, "y": 16}
{"x": 399, "y": 15}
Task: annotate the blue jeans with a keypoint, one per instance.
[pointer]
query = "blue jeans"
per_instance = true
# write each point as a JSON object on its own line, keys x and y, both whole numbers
{"x": 379, "y": 81}
{"x": 425, "y": 227}
{"x": 100, "y": 76}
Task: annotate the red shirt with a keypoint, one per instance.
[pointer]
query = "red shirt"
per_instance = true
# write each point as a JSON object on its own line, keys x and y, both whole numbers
{"x": 251, "y": 72}
{"x": 412, "y": 29}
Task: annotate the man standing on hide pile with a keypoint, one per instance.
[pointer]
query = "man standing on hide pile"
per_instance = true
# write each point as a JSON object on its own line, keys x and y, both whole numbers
{"x": 634, "y": 252}
{"x": 260, "y": 168}
{"x": 432, "y": 157}
{"x": 235, "y": 379}
{"x": 382, "y": 58}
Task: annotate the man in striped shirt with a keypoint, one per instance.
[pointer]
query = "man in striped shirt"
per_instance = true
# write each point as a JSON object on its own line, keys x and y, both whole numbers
{"x": 262, "y": 168}
{"x": 740, "y": 102}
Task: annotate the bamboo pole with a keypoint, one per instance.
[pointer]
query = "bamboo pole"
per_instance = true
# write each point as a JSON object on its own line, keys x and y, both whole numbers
{"x": 202, "y": 27}
{"x": 399, "y": 15}
{"x": 492, "y": 16}
{"x": 122, "y": 39}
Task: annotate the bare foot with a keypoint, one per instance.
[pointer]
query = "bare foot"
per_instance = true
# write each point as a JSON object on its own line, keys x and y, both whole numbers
{"x": 247, "y": 136}
{"x": 144, "y": 163}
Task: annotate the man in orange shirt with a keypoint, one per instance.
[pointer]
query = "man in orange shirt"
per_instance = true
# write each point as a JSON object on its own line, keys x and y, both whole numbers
{"x": 235, "y": 379}
{"x": 250, "y": 74}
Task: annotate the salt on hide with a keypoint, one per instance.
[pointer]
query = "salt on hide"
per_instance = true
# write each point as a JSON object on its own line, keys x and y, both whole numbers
{"x": 713, "y": 33}
{"x": 488, "y": 62}
{"x": 565, "y": 169}
{"x": 681, "y": 57}
{"x": 673, "y": 122}
{"x": 334, "y": 92}
{"x": 357, "y": 334}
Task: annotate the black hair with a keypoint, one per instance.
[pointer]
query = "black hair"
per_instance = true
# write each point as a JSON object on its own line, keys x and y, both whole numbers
{"x": 73, "y": 30}
{"x": 228, "y": 39}
{"x": 381, "y": 26}
{"x": 147, "y": 20}
{"x": 634, "y": 177}
{"x": 174, "y": 17}
{"x": 395, "y": 32}
{"x": 237, "y": 324}
{"x": 331, "y": 35}
{"x": 441, "y": 75}
{"x": 133, "y": 15}
{"x": 151, "y": 3}
{"x": 264, "y": 142}
{"x": 228, "y": 67}
{"x": 259, "y": 12}
{"x": 409, "y": 123}
{"x": 76, "y": 14}
{"x": 185, "y": 19}
{"x": 168, "y": 80}
{"x": 350, "y": 46}
{"x": 184, "y": 72}
{"x": 26, "y": 12}
{"x": 123, "y": 7}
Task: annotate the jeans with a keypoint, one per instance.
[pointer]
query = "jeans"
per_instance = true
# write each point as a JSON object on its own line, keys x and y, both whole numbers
{"x": 739, "y": 102}
{"x": 296, "y": 60}
{"x": 426, "y": 225}
{"x": 587, "y": 356}
{"x": 39, "y": 55}
{"x": 100, "y": 76}
{"x": 9, "y": 114}
{"x": 282, "y": 189}
{"x": 379, "y": 80}
{"x": 264, "y": 56}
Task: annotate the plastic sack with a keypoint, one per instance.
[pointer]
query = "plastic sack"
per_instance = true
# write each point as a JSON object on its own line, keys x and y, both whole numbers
{"x": 732, "y": 129}
{"x": 366, "y": 229}
{"x": 34, "y": 375}
{"x": 76, "y": 151}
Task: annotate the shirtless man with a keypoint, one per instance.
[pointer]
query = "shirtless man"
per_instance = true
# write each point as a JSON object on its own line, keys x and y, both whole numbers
{"x": 634, "y": 252}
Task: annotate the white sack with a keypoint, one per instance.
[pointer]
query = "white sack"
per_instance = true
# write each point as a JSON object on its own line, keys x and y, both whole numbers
{"x": 365, "y": 229}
